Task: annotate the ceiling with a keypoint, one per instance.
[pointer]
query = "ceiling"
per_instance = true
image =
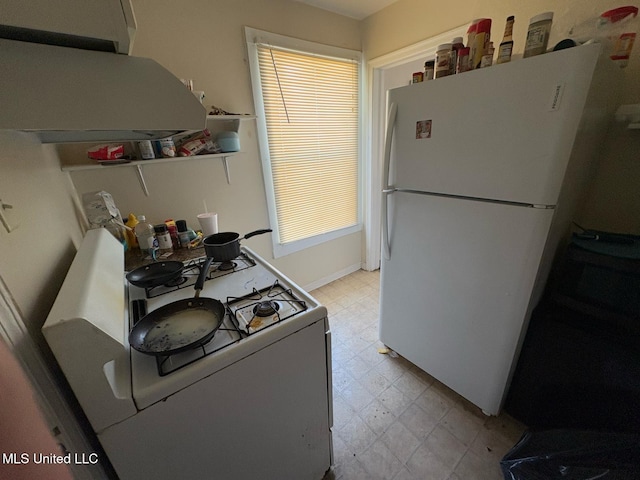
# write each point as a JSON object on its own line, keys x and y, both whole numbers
{"x": 357, "y": 9}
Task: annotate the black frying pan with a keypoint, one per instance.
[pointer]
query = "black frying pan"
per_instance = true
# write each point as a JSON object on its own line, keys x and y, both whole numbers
{"x": 155, "y": 274}
{"x": 180, "y": 325}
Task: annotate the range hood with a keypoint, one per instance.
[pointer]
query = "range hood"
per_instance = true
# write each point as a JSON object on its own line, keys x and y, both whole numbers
{"x": 65, "y": 95}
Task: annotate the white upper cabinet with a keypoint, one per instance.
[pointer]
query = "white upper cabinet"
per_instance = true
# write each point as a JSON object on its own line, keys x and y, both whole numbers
{"x": 94, "y": 24}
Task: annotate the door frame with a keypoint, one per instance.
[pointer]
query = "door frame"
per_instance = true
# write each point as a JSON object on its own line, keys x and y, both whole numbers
{"x": 375, "y": 132}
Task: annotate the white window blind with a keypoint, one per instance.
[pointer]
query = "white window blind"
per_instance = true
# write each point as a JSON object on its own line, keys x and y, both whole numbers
{"x": 311, "y": 115}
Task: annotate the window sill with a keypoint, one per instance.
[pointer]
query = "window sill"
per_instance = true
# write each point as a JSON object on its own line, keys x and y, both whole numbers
{"x": 283, "y": 249}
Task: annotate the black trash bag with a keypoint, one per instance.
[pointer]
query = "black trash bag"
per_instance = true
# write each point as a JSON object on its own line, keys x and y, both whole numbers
{"x": 573, "y": 455}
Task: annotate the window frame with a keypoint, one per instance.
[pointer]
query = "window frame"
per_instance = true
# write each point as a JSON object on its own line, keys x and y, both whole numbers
{"x": 253, "y": 38}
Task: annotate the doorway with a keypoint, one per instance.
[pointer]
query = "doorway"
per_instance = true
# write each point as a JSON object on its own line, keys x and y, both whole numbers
{"x": 384, "y": 73}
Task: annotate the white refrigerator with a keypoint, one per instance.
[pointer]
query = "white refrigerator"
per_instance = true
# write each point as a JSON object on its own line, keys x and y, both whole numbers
{"x": 484, "y": 171}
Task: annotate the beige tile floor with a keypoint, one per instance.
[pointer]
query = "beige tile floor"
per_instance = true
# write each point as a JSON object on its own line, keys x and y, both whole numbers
{"x": 393, "y": 421}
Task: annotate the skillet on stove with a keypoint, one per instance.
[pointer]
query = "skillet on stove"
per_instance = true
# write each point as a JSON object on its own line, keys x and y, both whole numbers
{"x": 155, "y": 274}
{"x": 181, "y": 325}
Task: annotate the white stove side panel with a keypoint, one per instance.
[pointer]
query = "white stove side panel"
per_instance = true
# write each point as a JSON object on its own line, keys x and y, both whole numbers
{"x": 267, "y": 416}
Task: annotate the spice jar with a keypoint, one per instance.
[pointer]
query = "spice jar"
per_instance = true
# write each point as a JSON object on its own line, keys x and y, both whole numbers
{"x": 429, "y": 69}
{"x": 164, "y": 239}
{"x": 538, "y": 34}
{"x": 443, "y": 60}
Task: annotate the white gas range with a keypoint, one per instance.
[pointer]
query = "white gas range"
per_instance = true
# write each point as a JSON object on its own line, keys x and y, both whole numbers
{"x": 254, "y": 402}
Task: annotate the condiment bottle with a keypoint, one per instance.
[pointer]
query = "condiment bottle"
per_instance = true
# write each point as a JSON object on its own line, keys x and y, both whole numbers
{"x": 131, "y": 222}
{"x": 463, "y": 60}
{"x": 429, "y": 69}
{"x": 487, "y": 59}
{"x": 164, "y": 239}
{"x": 145, "y": 234}
{"x": 506, "y": 46}
{"x": 456, "y": 46}
{"x": 173, "y": 232}
{"x": 481, "y": 41}
{"x": 538, "y": 34}
{"x": 183, "y": 233}
{"x": 471, "y": 35}
{"x": 443, "y": 60}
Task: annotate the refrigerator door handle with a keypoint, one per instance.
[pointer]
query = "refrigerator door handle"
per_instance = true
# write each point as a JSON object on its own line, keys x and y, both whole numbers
{"x": 391, "y": 121}
{"x": 387, "y": 189}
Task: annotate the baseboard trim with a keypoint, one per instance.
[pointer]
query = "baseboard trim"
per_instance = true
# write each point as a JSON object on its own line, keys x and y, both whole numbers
{"x": 334, "y": 276}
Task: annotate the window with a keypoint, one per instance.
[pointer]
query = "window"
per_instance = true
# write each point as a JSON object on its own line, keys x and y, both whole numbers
{"x": 307, "y": 102}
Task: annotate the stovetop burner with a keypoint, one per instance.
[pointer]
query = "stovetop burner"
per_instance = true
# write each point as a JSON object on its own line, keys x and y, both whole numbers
{"x": 176, "y": 282}
{"x": 266, "y": 308}
{"x": 225, "y": 266}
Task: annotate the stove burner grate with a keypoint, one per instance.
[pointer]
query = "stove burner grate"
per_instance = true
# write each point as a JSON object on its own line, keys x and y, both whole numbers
{"x": 192, "y": 269}
{"x": 256, "y": 308}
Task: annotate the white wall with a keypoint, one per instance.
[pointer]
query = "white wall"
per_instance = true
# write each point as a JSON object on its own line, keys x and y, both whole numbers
{"x": 34, "y": 257}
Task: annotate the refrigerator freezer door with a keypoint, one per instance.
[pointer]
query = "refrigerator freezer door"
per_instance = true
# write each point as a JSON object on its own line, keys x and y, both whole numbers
{"x": 504, "y": 132}
{"x": 456, "y": 289}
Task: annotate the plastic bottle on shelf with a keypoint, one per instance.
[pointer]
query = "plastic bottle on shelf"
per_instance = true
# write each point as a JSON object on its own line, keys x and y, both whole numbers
{"x": 145, "y": 234}
{"x": 505, "y": 49}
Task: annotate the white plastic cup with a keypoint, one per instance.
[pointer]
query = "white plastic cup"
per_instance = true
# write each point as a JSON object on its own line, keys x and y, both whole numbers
{"x": 208, "y": 223}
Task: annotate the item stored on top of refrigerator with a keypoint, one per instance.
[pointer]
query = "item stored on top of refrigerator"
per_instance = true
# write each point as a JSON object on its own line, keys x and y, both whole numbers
{"x": 471, "y": 35}
{"x": 456, "y": 45}
{"x": 480, "y": 42}
{"x": 417, "y": 77}
{"x": 429, "y": 69}
{"x": 443, "y": 60}
{"x": 505, "y": 49}
{"x": 463, "y": 60}
{"x": 487, "y": 58}
{"x": 538, "y": 34}
{"x": 622, "y": 23}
